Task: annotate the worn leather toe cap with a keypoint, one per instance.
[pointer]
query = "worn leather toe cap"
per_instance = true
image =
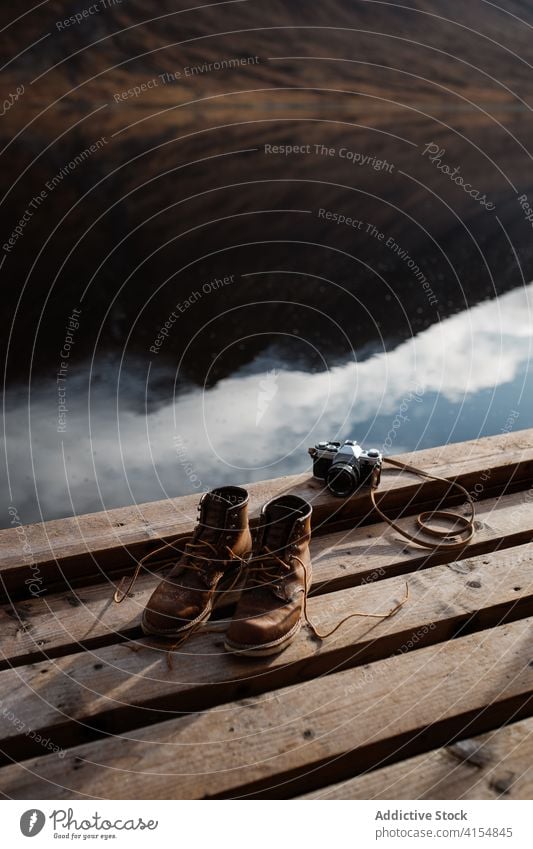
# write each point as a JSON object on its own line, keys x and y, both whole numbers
{"x": 171, "y": 609}
{"x": 263, "y": 629}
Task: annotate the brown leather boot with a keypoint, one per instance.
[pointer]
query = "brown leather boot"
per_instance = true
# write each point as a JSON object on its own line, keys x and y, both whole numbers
{"x": 211, "y": 565}
{"x": 270, "y": 610}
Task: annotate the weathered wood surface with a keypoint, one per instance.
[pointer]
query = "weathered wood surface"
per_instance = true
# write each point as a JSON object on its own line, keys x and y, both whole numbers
{"x": 102, "y": 543}
{"x": 280, "y": 744}
{"x": 130, "y": 684}
{"x": 85, "y": 618}
{"x": 496, "y": 765}
{"x": 339, "y": 717}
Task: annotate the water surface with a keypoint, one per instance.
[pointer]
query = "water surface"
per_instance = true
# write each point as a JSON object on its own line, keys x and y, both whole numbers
{"x": 466, "y": 375}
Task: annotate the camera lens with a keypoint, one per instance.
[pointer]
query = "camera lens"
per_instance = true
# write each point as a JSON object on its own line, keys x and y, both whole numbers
{"x": 342, "y": 479}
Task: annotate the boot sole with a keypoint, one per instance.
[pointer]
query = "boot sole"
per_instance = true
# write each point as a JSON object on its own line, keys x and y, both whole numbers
{"x": 265, "y": 649}
{"x": 223, "y": 598}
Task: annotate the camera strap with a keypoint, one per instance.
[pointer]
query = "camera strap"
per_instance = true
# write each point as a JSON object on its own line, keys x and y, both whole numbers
{"x": 462, "y": 526}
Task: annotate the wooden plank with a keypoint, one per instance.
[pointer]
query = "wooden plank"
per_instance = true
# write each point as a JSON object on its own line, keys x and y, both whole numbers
{"x": 376, "y": 551}
{"x": 279, "y": 745}
{"x": 497, "y": 765}
{"x": 103, "y": 543}
{"x": 124, "y": 686}
{"x": 61, "y": 624}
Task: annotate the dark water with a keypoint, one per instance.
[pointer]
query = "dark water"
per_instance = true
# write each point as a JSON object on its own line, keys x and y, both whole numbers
{"x": 189, "y": 305}
{"x": 464, "y": 376}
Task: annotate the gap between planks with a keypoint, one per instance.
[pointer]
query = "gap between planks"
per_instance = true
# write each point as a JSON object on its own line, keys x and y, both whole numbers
{"x": 496, "y": 765}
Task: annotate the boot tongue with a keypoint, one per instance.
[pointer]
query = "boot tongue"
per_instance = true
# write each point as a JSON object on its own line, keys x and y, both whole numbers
{"x": 213, "y": 515}
{"x": 279, "y": 522}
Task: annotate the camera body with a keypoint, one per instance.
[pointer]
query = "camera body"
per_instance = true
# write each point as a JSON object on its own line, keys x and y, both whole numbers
{"x": 345, "y": 466}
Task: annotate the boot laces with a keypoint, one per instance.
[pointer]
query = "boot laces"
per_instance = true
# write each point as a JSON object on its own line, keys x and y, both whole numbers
{"x": 197, "y": 553}
{"x": 266, "y": 568}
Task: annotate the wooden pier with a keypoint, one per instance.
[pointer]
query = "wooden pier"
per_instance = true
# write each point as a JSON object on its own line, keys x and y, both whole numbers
{"x": 434, "y": 703}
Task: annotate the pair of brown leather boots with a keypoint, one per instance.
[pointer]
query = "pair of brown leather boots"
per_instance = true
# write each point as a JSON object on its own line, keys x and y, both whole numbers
{"x": 271, "y": 575}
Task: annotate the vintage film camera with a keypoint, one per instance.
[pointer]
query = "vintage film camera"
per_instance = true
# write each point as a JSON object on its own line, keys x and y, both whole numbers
{"x": 345, "y": 466}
